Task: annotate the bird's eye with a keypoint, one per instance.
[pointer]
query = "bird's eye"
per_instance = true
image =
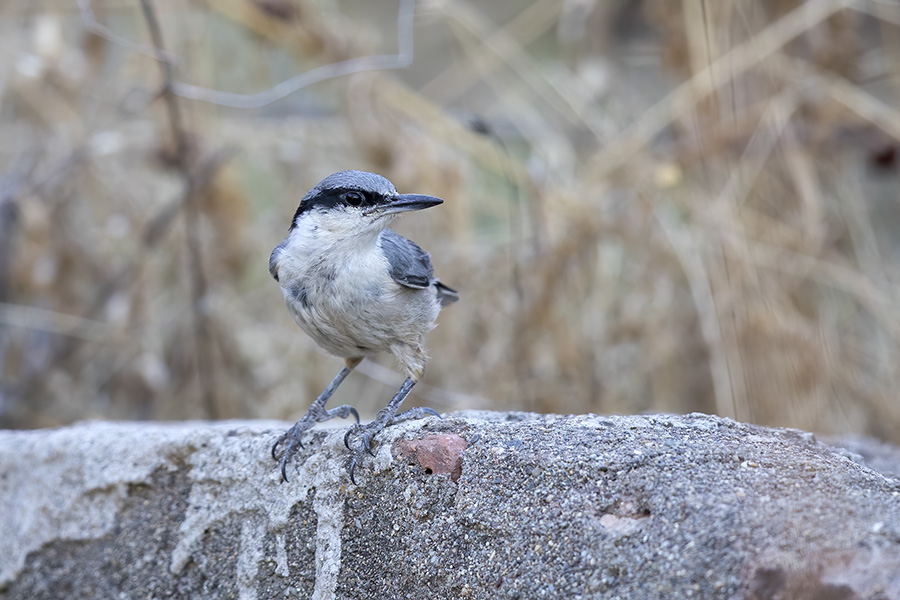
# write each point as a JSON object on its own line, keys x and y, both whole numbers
{"x": 353, "y": 198}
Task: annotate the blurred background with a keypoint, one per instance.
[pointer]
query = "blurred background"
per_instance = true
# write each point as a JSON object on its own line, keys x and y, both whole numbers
{"x": 656, "y": 205}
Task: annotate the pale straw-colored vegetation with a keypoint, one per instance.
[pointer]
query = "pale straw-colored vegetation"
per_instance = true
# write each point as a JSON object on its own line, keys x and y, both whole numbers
{"x": 687, "y": 205}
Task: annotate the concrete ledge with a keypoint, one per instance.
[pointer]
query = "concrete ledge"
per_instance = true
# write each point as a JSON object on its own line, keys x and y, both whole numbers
{"x": 478, "y": 505}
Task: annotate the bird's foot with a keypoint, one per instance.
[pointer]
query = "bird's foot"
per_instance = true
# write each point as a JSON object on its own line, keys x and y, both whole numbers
{"x": 365, "y": 433}
{"x": 418, "y": 412}
{"x": 292, "y": 436}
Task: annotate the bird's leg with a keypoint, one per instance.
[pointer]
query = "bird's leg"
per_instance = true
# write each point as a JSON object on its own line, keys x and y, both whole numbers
{"x": 315, "y": 414}
{"x": 385, "y": 417}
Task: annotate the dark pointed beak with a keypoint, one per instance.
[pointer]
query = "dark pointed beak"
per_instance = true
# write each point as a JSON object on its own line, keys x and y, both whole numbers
{"x": 407, "y": 202}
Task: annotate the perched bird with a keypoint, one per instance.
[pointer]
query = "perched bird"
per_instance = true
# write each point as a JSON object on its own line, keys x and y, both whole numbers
{"x": 358, "y": 288}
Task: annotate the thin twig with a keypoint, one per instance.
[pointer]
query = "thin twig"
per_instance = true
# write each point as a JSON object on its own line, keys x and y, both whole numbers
{"x": 152, "y": 235}
{"x": 617, "y": 152}
{"x": 202, "y": 340}
{"x": 720, "y": 363}
{"x": 90, "y": 22}
{"x": 401, "y": 60}
{"x": 31, "y": 317}
{"x": 172, "y": 108}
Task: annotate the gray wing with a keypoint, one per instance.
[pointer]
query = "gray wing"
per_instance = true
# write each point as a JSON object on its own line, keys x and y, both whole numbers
{"x": 410, "y": 265}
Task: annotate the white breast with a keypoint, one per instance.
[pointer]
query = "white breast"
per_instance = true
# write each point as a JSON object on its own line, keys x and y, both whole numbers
{"x": 340, "y": 292}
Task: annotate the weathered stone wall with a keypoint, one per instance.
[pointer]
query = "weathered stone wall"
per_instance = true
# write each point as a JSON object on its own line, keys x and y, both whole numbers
{"x": 478, "y": 505}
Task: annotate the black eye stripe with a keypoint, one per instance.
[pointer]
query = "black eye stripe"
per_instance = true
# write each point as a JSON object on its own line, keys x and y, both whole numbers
{"x": 336, "y": 197}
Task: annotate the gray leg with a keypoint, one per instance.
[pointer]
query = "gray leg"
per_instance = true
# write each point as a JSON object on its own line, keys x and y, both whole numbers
{"x": 315, "y": 414}
{"x": 385, "y": 417}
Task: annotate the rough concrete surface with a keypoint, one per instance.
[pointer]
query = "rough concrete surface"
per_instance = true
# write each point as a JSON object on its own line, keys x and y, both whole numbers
{"x": 477, "y": 505}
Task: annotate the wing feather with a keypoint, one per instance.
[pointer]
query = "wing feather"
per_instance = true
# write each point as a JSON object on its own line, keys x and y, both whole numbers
{"x": 410, "y": 265}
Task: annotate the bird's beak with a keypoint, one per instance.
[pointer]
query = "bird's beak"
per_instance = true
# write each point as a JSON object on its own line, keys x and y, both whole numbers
{"x": 407, "y": 202}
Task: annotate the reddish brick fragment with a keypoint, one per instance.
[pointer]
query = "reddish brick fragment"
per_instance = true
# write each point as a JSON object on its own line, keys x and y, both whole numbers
{"x": 436, "y": 453}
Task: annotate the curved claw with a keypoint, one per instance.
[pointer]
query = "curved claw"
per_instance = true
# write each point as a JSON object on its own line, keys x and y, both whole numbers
{"x": 366, "y": 439}
{"x": 347, "y": 437}
{"x": 365, "y": 445}
{"x": 284, "y": 469}
{"x": 275, "y": 447}
{"x": 355, "y": 414}
{"x": 357, "y": 455}
{"x": 352, "y": 469}
{"x": 432, "y": 412}
{"x": 286, "y": 457}
{"x": 284, "y": 436}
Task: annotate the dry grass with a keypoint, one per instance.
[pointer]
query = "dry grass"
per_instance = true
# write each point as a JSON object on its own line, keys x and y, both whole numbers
{"x": 654, "y": 206}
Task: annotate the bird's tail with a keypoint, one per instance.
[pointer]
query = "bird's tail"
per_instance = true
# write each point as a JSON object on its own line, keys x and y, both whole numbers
{"x": 445, "y": 294}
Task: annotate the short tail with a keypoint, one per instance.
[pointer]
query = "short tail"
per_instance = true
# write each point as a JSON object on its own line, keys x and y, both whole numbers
{"x": 445, "y": 294}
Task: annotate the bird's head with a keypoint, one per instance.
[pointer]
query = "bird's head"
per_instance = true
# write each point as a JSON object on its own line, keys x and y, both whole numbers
{"x": 355, "y": 202}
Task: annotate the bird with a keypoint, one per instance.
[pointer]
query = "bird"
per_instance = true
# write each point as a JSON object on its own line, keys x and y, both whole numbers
{"x": 358, "y": 289}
